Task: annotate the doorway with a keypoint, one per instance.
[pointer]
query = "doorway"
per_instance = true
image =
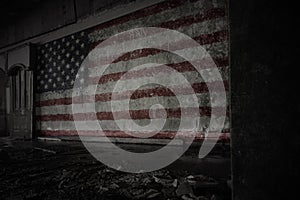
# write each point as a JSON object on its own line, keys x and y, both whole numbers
{"x": 20, "y": 101}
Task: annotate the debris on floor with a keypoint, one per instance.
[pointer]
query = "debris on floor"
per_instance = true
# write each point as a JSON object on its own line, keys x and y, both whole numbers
{"x": 64, "y": 172}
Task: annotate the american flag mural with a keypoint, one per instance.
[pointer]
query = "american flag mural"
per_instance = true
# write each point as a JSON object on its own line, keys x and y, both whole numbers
{"x": 59, "y": 62}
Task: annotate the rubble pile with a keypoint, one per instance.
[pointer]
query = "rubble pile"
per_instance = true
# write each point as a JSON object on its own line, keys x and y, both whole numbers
{"x": 37, "y": 173}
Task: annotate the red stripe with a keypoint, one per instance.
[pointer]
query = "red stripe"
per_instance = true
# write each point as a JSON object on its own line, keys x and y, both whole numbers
{"x": 149, "y": 72}
{"x": 134, "y": 114}
{"x": 225, "y": 135}
{"x": 188, "y": 20}
{"x": 219, "y": 36}
{"x": 159, "y": 91}
{"x": 213, "y": 13}
{"x": 151, "y": 10}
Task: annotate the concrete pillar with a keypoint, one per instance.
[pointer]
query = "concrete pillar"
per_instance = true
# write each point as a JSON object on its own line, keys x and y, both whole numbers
{"x": 265, "y": 132}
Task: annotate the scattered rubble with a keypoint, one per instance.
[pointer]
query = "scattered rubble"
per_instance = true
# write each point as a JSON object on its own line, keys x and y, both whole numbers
{"x": 61, "y": 172}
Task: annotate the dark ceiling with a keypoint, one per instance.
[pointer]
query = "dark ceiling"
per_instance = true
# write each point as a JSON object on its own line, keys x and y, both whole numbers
{"x": 11, "y": 9}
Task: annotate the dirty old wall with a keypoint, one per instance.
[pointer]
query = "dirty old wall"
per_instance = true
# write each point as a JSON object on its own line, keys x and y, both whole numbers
{"x": 59, "y": 61}
{"x": 34, "y": 18}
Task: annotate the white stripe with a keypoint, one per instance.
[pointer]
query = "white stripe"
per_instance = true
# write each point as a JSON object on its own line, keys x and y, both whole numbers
{"x": 165, "y": 79}
{"x": 135, "y": 104}
{"x": 111, "y": 52}
{"x": 193, "y": 30}
{"x": 156, "y": 19}
{"x": 171, "y": 124}
{"x": 219, "y": 49}
{"x": 108, "y": 87}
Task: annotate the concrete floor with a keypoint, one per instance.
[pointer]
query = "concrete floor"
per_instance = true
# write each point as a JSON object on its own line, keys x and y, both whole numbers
{"x": 66, "y": 170}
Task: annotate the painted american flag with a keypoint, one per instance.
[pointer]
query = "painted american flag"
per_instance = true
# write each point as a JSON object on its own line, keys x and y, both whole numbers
{"x": 59, "y": 62}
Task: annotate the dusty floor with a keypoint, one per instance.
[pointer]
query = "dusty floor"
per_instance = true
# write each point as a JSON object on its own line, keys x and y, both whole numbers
{"x": 65, "y": 170}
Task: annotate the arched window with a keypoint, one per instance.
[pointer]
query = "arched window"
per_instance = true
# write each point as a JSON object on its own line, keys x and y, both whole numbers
{"x": 20, "y": 88}
{"x": 19, "y": 92}
{"x": 20, "y": 98}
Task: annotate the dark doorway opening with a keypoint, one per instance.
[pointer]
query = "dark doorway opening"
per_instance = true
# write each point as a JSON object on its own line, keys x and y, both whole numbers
{"x": 20, "y": 100}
